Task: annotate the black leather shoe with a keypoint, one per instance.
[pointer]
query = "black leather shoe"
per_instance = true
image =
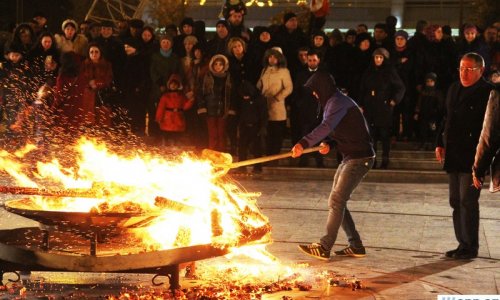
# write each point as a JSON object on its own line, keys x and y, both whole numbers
{"x": 463, "y": 254}
{"x": 450, "y": 253}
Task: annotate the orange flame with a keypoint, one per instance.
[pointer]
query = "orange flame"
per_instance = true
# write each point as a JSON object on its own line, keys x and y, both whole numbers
{"x": 219, "y": 211}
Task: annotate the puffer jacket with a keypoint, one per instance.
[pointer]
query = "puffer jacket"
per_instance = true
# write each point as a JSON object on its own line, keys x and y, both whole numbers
{"x": 488, "y": 148}
{"x": 170, "y": 110}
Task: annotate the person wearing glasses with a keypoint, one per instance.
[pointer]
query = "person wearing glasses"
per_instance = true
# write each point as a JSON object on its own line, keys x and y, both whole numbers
{"x": 465, "y": 107}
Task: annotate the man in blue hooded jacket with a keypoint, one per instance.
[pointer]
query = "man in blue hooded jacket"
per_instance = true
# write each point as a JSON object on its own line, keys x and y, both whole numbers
{"x": 343, "y": 123}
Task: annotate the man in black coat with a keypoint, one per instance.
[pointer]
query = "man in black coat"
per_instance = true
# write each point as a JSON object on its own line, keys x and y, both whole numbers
{"x": 305, "y": 108}
{"x": 456, "y": 146}
{"x": 290, "y": 37}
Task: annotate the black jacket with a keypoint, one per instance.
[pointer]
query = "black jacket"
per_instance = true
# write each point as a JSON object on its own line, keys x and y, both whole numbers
{"x": 464, "y": 115}
{"x": 251, "y": 106}
{"x": 380, "y": 85}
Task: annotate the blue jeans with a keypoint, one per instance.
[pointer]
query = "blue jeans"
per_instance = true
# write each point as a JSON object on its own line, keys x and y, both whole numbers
{"x": 349, "y": 174}
{"x": 464, "y": 199}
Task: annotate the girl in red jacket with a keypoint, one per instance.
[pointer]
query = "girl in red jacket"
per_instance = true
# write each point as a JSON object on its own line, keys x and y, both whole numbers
{"x": 170, "y": 111}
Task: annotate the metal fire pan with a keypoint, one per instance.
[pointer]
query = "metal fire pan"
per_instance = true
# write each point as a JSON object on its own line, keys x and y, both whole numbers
{"x": 13, "y": 249}
{"x": 79, "y": 220}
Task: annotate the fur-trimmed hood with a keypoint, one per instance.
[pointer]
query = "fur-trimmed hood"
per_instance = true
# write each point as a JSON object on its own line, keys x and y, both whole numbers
{"x": 218, "y": 57}
{"x": 177, "y": 78}
{"x": 276, "y": 53}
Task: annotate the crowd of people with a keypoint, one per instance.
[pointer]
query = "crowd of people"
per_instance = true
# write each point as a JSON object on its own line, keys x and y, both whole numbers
{"x": 240, "y": 90}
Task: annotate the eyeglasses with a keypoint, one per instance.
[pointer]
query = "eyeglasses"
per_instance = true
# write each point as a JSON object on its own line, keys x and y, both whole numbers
{"x": 465, "y": 69}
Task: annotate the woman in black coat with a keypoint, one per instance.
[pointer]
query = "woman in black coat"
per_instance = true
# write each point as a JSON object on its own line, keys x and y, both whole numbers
{"x": 380, "y": 90}
{"x": 135, "y": 80}
{"x": 43, "y": 60}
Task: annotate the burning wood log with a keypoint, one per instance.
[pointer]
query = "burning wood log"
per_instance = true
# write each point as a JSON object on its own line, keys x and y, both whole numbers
{"x": 75, "y": 192}
{"x": 98, "y": 190}
{"x": 166, "y": 203}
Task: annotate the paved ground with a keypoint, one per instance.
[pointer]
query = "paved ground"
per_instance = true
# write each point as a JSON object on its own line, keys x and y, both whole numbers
{"x": 405, "y": 227}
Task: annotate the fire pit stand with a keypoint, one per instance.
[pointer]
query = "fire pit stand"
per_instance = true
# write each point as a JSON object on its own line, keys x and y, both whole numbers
{"x": 22, "y": 250}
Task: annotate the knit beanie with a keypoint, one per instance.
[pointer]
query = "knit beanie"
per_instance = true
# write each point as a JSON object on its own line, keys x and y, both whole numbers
{"x": 381, "y": 51}
{"x": 288, "y": 16}
{"x": 431, "y": 75}
{"x": 401, "y": 33}
{"x": 223, "y": 22}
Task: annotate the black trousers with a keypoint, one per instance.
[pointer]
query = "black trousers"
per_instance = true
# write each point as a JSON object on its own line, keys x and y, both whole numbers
{"x": 382, "y": 134}
{"x": 275, "y": 134}
{"x": 464, "y": 199}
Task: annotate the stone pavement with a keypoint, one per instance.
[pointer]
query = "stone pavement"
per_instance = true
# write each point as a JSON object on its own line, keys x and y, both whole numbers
{"x": 405, "y": 227}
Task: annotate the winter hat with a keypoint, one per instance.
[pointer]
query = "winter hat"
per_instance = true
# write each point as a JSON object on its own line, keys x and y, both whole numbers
{"x": 257, "y": 30}
{"x": 171, "y": 28}
{"x": 107, "y": 23}
{"x": 351, "y": 32}
{"x": 381, "y": 51}
{"x": 187, "y": 21}
{"x": 363, "y": 36}
{"x": 288, "y": 16}
{"x": 431, "y": 75}
{"x": 14, "y": 47}
{"x": 223, "y": 22}
{"x": 136, "y": 23}
{"x": 69, "y": 22}
{"x": 401, "y": 33}
{"x": 132, "y": 42}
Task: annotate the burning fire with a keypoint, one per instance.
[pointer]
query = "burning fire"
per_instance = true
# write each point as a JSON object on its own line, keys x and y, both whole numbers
{"x": 194, "y": 206}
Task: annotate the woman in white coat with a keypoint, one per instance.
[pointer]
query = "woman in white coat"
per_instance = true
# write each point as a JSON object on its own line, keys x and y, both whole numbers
{"x": 275, "y": 84}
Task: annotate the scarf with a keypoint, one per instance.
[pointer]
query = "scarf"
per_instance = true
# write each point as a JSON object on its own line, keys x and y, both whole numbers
{"x": 167, "y": 53}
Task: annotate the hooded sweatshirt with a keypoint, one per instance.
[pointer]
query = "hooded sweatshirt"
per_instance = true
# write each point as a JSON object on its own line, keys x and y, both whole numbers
{"x": 342, "y": 122}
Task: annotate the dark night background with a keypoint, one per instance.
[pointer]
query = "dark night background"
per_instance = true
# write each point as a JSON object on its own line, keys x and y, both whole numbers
{"x": 12, "y": 11}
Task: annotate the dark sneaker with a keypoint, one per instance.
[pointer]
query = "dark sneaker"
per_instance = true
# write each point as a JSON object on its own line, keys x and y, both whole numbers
{"x": 450, "y": 253}
{"x": 315, "y": 250}
{"x": 351, "y": 251}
